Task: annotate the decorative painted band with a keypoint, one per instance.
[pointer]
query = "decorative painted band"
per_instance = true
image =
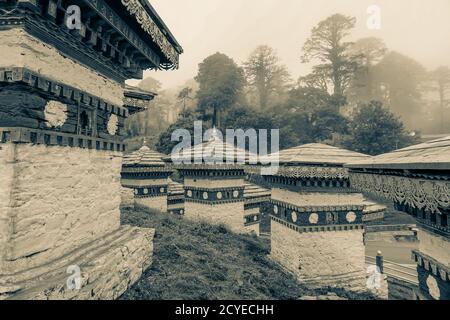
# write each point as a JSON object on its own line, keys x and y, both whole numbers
{"x": 431, "y": 265}
{"x": 219, "y": 195}
{"x": 52, "y": 138}
{"x": 150, "y": 192}
{"x": 253, "y": 205}
{"x": 317, "y": 216}
{"x": 207, "y": 170}
{"x": 150, "y": 174}
{"x": 311, "y": 184}
{"x": 257, "y": 200}
{"x": 172, "y": 201}
{"x": 252, "y": 219}
{"x": 57, "y": 89}
{"x": 248, "y": 223}
{"x": 327, "y": 228}
{"x": 300, "y": 208}
{"x": 178, "y": 211}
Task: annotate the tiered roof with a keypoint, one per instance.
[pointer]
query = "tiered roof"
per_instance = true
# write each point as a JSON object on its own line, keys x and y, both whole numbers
{"x": 144, "y": 157}
{"x": 213, "y": 153}
{"x": 175, "y": 189}
{"x": 253, "y": 191}
{"x": 316, "y": 160}
{"x": 432, "y": 155}
{"x": 318, "y": 154}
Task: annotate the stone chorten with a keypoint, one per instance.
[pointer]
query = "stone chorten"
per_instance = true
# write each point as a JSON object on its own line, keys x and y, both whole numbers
{"x": 147, "y": 174}
{"x": 175, "y": 198}
{"x": 62, "y": 114}
{"x": 316, "y": 220}
{"x": 255, "y": 196}
{"x": 214, "y": 184}
{"x": 417, "y": 180}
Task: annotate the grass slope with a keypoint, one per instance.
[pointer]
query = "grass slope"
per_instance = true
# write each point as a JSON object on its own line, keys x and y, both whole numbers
{"x": 194, "y": 261}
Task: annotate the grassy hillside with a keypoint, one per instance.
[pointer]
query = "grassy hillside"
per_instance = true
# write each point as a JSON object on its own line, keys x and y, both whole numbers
{"x": 200, "y": 261}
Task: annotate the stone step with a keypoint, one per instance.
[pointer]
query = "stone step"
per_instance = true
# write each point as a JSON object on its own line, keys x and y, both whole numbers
{"x": 31, "y": 282}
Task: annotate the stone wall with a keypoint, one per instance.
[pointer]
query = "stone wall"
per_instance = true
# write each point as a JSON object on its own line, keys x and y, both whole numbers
{"x": 127, "y": 197}
{"x": 18, "y": 49}
{"x": 102, "y": 270}
{"x": 252, "y": 229}
{"x": 401, "y": 290}
{"x": 58, "y": 198}
{"x": 434, "y": 246}
{"x": 156, "y": 204}
{"x": 6, "y": 182}
{"x": 317, "y": 199}
{"x": 228, "y": 214}
{"x": 317, "y": 259}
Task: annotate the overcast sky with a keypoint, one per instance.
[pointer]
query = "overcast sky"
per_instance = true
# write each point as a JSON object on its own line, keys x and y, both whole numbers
{"x": 417, "y": 28}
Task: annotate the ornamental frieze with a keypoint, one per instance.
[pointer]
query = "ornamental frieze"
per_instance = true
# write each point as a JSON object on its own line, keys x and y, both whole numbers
{"x": 427, "y": 195}
{"x": 135, "y": 8}
{"x": 311, "y": 172}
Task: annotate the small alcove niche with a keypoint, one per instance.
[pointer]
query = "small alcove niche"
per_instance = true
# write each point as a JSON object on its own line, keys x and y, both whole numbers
{"x": 85, "y": 122}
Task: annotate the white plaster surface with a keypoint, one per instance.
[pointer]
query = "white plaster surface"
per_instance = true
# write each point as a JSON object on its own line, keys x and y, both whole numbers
{"x": 335, "y": 258}
{"x": 19, "y": 49}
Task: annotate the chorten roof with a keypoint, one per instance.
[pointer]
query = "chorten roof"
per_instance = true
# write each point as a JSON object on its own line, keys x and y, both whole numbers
{"x": 175, "y": 188}
{"x": 252, "y": 191}
{"x": 215, "y": 153}
{"x": 431, "y": 155}
{"x": 318, "y": 154}
{"x": 144, "y": 157}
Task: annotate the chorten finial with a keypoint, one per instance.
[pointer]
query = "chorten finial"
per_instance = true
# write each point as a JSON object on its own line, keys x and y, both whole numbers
{"x": 144, "y": 145}
{"x": 215, "y": 135}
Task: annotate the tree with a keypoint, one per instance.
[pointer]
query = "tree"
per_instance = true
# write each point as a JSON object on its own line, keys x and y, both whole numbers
{"x": 326, "y": 44}
{"x": 397, "y": 80}
{"x": 367, "y": 52}
{"x": 442, "y": 78}
{"x": 184, "y": 95}
{"x": 186, "y": 121}
{"x": 150, "y": 84}
{"x": 308, "y": 115}
{"x": 319, "y": 78}
{"x": 265, "y": 74}
{"x": 221, "y": 84}
{"x": 375, "y": 130}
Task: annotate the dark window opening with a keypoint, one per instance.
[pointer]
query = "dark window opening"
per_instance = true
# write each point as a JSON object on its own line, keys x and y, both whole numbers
{"x": 84, "y": 122}
{"x": 433, "y": 218}
{"x": 444, "y": 220}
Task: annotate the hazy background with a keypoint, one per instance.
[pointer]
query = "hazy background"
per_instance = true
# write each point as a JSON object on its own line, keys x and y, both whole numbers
{"x": 417, "y": 28}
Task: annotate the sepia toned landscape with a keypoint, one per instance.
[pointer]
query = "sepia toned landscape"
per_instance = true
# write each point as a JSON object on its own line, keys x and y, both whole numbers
{"x": 224, "y": 150}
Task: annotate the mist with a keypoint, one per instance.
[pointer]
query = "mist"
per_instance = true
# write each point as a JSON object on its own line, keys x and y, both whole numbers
{"x": 416, "y": 28}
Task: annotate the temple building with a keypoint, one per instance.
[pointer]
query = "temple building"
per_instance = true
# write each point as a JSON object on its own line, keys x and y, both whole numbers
{"x": 175, "y": 198}
{"x": 317, "y": 220}
{"x": 254, "y": 197}
{"x": 147, "y": 174}
{"x": 214, "y": 183}
{"x": 417, "y": 180}
{"x": 63, "y": 103}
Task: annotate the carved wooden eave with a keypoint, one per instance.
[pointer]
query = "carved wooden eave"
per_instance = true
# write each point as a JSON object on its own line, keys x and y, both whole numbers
{"x": 118, "y": 39}
{"x": 137, "y": 100}
{"x": 416, "y": 179}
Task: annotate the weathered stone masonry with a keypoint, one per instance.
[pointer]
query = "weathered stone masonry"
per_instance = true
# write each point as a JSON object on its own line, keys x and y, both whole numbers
{"x": 316, "y": 220}
{"x": 416, "y": 180}
{"x": 62, "y": 113}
